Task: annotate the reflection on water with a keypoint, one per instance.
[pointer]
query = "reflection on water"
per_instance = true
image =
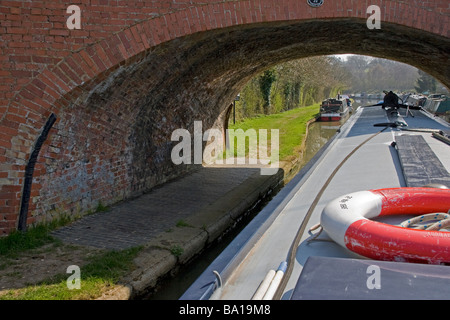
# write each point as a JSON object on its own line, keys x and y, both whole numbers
{"x": 321, "y": 131}
{"x": 318, "y": 135}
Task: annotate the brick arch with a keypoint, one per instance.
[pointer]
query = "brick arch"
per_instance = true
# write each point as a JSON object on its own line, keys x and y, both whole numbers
{"x": 81, "y": 84}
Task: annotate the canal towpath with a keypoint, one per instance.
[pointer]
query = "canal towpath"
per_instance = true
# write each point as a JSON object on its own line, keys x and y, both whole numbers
{"x": 178, "y": 220}
{"x": 173, "y": 223}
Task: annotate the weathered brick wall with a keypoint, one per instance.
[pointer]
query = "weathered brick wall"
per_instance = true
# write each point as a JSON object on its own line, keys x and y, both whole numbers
{"x": 137, "y": 70}
{"x": 34, "y": 33}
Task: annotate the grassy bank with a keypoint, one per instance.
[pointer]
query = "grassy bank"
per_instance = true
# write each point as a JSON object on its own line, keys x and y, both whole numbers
{"x": 33, "y": 266}
{"x": 98, "y": 275}
{"x": 291, "y": 124}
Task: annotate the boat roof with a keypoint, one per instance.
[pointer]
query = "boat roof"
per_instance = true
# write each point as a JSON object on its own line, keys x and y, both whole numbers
{"x": 381, "y": 162}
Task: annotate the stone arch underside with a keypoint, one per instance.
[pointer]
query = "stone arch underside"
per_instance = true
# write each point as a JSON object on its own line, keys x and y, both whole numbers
{"x": 112, "y": 138}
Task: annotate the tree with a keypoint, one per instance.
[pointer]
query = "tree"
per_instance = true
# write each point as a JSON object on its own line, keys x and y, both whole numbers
{"x": 265, "y": 83}
{"x": 369, "y": 74}
{"x": 291, "y": 85}
{"x": 425, "y": 83}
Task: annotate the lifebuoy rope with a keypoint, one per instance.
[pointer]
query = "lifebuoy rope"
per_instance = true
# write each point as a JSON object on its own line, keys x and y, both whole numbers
{"x": 438, "y": 220}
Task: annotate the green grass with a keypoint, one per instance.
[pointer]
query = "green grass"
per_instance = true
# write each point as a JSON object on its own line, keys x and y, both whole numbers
{"x": 34, "y": 237}
{"x": 181, "y": 223}
{"x": 98, "y": 273}
{"x": 291, "y": 125}
{"x": 101, "y": 272}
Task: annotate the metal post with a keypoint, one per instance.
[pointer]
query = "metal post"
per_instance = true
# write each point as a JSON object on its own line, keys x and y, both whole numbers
{"x": 238, "y": 97}
{"x": 29, "y": 170}
{"x": 234, "y": 112}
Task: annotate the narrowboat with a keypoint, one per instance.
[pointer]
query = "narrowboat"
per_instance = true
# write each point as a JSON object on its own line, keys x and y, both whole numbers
{"x": 366, "y": 218}
{"x": 334, "y": 109}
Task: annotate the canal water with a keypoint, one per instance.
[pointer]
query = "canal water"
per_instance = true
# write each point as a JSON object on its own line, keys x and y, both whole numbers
{"x": 172, "y": 289}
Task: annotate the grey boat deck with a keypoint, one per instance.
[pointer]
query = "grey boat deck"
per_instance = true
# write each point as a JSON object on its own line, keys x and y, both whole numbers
{"x": 266, "y": 242}
{"x": 420, "y": 164}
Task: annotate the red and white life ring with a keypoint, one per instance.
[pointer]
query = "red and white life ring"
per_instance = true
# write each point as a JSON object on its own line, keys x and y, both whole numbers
{"x": 346, "y": 220}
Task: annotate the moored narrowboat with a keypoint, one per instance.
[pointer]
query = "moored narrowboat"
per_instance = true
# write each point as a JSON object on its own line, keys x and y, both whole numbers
{"x": 333, "y": 109}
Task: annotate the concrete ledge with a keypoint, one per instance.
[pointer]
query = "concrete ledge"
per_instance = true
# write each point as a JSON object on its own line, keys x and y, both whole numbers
{"x": 169, "y": 250}
{"x": 151, "y": 264}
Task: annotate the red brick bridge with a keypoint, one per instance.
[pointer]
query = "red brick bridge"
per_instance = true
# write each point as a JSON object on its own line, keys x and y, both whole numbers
{"x": 86, "y": 114}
